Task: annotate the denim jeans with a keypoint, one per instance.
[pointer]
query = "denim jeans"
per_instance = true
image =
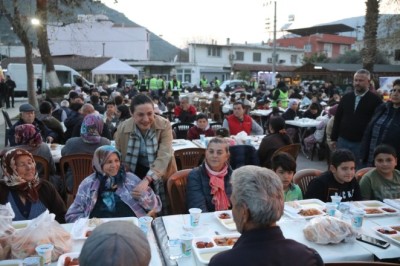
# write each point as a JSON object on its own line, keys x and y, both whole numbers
{"x": 354, "y": 147}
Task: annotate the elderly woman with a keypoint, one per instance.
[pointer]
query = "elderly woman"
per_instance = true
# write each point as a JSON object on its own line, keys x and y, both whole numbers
{"x": 28, "y": 195}
{"x": 108, "y": 191}
{"x": 384, "y": 127}
{"x": 208, "y": 186}
{"x": 88, "y": 142}
{"x": 145, "y": 142}
{"x": 275, "y": 140}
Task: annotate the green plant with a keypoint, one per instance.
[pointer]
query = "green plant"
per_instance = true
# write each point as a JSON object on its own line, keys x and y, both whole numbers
{"x": 57, "y": 92}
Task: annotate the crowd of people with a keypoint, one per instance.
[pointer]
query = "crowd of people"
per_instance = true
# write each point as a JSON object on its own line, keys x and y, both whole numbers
{"x": 129, "y": 178}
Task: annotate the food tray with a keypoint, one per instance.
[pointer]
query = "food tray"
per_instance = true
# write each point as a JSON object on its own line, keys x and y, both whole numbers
{"x": 393, "y": 202}
{"x": 177, "y": 142}
{"x": 391, "y": 232}
{"x": 82, "y": 226}
{"x": 305, "y": 209}
{"x": 61, "y": 259}
{"x": 11, "y": 262}
{"x": 204, "y": 254}
{"x": 227, "y": 222}
{"x": 374, "y": 208}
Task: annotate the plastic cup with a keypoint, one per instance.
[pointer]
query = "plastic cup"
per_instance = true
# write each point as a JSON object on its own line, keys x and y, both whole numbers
{"x": 357, "y": 218}
{"x": 336, "y": 199}
{"x": 186, "y": 243}
{"x": 44, "y": 251}
{"x": 202, "y": 137}
{"x": 248, "y": 141}
{"x": 175, "y": 249}
{"x": 145, "y": 224}
{"x": 194, "y": 216}
{"x": 331, "y": 208}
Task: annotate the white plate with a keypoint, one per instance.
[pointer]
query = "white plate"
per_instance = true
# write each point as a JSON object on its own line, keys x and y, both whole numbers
{"x": 370, "y": 204}
{"x": 228, "y": 223}
{"x": 11, "y": 262}
{"x": 393, "y": 237}
{"x": 62, "y": 258}
{"x": 306, "y": 204}
{"x": 393, "y": 202}
{"x": 204, "y": 254}
{"x": 81, "y": 226}
{"x": 383, "y": 211}
{"x": 177, "y": 142}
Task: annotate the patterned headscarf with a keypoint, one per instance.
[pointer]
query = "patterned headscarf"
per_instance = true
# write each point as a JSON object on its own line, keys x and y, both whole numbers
{"x": 27, "y": 134}
{"x": 91, "y": 128}
{"x": 12, "y": 179}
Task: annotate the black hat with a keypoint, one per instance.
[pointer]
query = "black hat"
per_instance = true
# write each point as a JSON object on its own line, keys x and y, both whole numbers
{"x": 26, "y": 107}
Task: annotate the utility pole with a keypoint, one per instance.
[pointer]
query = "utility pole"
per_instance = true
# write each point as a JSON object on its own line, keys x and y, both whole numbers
{"x": 274, "y": 43}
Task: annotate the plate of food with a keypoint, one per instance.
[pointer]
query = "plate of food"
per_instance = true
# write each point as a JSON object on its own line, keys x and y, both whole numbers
{"x": 306, "y": 204}
{"x": 84, "y": 227}
{"x": 369, "y": 204}
{"x": 68, "y": 259}
{"x": 226, "y": 219}
{"x": 371, "y": 212}
{"x": 393, "y": 202}
{"x": 307, "y": 209}
{"x": 206, "y": 247}
{"x": 391, "y": 232}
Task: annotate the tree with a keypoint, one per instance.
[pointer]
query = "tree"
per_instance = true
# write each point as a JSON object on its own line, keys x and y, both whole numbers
{"x": 371, "y": 31}
{"x": 21, "y": 24}
{"x": 316, "y": 58}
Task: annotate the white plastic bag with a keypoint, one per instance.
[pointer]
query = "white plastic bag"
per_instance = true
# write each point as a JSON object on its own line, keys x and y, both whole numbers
{"x": 6, "y": 230}
{"x": 328, "y": 230}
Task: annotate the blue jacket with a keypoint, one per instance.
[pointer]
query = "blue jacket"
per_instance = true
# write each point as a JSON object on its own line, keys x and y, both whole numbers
{"x": 198, "y": 190}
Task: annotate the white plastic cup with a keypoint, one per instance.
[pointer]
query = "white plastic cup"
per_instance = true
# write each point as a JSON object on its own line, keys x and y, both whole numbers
{"x": 331, "y": 208}
{"x": 202, "y": 138}
{"x": 248, "y": 141}
{"x": 145, "y": 224}
{"x": 194, "y": 216}
{"x": 186, "y": 243}
{"x": 357, "y": 218}
{"x": 44, "y": 251}
{"x": 336, "y": 199}
{"x": 175, "y": 249}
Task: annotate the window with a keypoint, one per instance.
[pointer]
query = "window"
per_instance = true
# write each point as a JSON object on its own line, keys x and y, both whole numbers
{"x": 328, "y": 49}
{"x": 343, "y": 49}
{"x": 214, "y": 51}
{"x": 308, "y": 48}
{"x": 239, "y": 56}
{"x": 397, "y": 55}
{"x": 256, "y": 57}
{"x": 293, "y": 59}
{"x": 269, "y": 60}
{"x": 184, "y": 74}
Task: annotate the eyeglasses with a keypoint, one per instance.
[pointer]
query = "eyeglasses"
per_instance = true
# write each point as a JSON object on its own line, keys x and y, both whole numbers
{"x": 394, "y": 90}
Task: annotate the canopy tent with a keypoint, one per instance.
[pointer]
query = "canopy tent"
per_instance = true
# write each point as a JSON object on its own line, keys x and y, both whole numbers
{"x": 115, "y": 66}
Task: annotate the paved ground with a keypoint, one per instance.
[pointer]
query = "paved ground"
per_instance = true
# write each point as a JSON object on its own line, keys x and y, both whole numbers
{"x": 302, "y": 161}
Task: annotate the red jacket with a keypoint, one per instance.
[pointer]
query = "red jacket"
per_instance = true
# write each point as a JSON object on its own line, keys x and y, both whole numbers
{"x": 191, "y": 110}
{"x": 235, "y": 125}
{"x": 195, "y": 132}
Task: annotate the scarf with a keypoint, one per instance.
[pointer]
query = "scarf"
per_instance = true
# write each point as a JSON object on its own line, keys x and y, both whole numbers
{"x": 91, "y": 129}
{"x": 27, "y": 134}
{"x": 30, "y": 189}
{"x": 220, "y": 199}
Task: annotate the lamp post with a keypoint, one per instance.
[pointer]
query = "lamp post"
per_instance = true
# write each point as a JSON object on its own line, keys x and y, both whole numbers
{"x": 274, "y": 43}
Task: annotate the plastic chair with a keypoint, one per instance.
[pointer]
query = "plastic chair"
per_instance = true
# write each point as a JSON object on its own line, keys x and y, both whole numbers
{"x": 303, "y": 177}
{"x": 189, "y": 158}
{"x": 176, "y": 189}
{"x": 8, "y": 125}
{"x": 181, "y": 129}
{"x": 45, "y": 169}
{"x": 292, "y": 149}
{"x": 81, "y": 167}
{"x": 361, "y": 172}
{"x": 241, "y": 155}
{"x": 215, "y": 126}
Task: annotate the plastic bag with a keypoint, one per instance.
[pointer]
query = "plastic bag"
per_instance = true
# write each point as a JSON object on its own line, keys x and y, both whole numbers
{"x": 41, "y": 230}
{"x": 327, "y": 230}
{"x": 6, "y": 230}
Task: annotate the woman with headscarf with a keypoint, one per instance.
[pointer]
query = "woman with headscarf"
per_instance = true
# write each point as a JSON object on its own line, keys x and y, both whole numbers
{"x": 87, "y": 143}
{"x": 290, "y": 114}
{"x": 208, "y": 186}
{"x": 27, "y": 137}
{"x": 384, "y": 127}
{"x": 276, "y": 139}
{"x": 109, "y": 191}
{"x": 21, "y": 186}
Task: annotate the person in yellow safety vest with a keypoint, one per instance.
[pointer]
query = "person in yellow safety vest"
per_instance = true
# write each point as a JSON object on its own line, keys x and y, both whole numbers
{"x": 280, "y": 93}
{"x": 160, "y": 86}
{"x": 217, "y": 82}
{"x": 153, "y": 86}
{"x": 144, "y": 83}
{"x": 253, "y": 84}
{"x": 175, "y": 86}
{"x": 203, "y": 82}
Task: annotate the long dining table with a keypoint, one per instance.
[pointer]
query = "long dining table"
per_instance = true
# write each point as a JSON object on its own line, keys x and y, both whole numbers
{"x": 171, "y": 227}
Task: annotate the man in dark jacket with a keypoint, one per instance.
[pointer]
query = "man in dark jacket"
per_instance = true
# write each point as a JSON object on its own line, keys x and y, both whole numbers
{"x": 257, "y": 204}
{"x": 354, "y": 112}
{"x": 10, "y": 92}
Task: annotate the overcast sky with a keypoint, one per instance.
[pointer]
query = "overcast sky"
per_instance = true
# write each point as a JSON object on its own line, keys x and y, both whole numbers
{"x": 183, "y": 21}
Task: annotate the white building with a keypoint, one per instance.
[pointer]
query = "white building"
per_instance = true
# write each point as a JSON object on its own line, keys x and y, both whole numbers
{"x": 95, "y": 35}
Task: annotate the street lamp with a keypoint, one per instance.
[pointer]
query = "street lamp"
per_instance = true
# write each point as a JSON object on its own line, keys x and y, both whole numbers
{"x": 274, "y": 40}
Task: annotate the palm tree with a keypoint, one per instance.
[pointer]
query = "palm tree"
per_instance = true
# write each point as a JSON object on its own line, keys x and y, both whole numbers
{"x": 370, "y": 28}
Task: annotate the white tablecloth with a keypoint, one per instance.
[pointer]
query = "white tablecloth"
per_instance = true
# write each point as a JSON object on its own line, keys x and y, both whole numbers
{"x": 179, "y": 144}
{"x": 174, "y": 226}
{"x": 303, "y": 122}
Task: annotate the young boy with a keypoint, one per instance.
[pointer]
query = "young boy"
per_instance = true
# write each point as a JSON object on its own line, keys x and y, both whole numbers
{"x": 338, "y": 180}
{"x": 383, "y": 182}
{"x": 201, "y": 127}
{"x": 284, "y": 165}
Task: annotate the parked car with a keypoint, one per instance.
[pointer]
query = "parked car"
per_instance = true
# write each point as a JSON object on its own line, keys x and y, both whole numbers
{"x": 233, "y": 85}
